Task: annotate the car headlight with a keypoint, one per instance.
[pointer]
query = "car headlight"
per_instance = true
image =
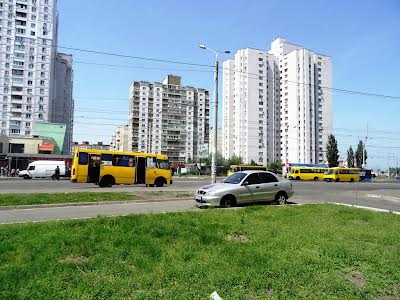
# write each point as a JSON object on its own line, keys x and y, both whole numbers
{"x": 211, "y": 193}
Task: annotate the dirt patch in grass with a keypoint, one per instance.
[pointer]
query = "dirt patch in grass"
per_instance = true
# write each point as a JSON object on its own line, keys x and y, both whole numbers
{"x": 356, "y": 278}
{"x": 387, "y": 297}
{"x": 72, "y": 259}
{"x": 238, "y": 238}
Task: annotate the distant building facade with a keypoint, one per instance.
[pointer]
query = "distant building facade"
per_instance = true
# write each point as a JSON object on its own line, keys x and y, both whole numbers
{"x": 28, "y": 89}
{"x": 87, "y": 145}
{"x": 119, "y": 139}
{"x": 62, "y": 109}
{"x": 168, "y": 118}
{"x": 219, "y": 141}
{"x": 277, "y": 104}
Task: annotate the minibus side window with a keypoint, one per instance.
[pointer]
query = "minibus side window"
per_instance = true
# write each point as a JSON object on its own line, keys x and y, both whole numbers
{"x": 83, "y": 158}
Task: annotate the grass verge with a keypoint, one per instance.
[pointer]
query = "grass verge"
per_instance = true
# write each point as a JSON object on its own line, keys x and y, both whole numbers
{"x": 293, "y": 252}
{"x": 43, "y": 198}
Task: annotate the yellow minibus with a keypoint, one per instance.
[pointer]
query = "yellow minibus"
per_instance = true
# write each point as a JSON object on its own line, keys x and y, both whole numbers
{"x": 306, "y": 173}
{"x": 107, "y": 168}
{"x": 342, "y": 174}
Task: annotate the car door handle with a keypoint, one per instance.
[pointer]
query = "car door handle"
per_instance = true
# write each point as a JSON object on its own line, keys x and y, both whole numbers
{"x": 275, "y": 184}
{"x": 257, "y": 187}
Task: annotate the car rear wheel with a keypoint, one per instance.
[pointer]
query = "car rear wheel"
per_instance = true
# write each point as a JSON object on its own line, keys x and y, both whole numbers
{"x": 315, "y": 178}
{"x": 351, "y": 179}
{"x": 281, "y": 198}
{"x": 297, "y": 178}
{"x": 228, "y": 201}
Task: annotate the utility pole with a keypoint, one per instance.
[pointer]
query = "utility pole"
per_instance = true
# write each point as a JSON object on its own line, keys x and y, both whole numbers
{"x": 365, "y": 142}
{"x": 215, "y": 117}
{"x": 215, "y": 125}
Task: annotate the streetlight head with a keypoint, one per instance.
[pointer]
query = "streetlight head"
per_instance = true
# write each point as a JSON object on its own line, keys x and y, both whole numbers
{"x": 202, "y": 46}
{"x": 227, "y": 52}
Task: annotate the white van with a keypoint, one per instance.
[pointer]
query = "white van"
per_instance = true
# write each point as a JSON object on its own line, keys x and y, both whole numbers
{"x": 43, "y": 169}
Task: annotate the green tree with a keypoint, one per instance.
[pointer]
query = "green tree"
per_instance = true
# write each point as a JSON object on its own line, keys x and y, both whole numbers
{"x": 253, "y": 163}
{"x": 350, "y": 158}
{"x": 276, "y": 166}
{"x": 332, "y": 152}
{"x": 235, "y": 160}
{"x": 359, "y": 154}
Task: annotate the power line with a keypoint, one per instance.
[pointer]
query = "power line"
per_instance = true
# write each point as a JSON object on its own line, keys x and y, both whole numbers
{"x": 133, "y": 57}
{"x": 210, "y": 66}
{"x": 141, "y": 67}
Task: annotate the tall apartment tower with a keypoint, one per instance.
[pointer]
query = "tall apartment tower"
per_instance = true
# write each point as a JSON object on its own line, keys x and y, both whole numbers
{"x": 28, "y": 34}
{"x": 306, "y": 102}
{"x": 62, "y": 108}
{"x": 168, "y": 118}
{"x": 250, "y": 127}
{"x": 119, "y": 139}
{"x": 275, "y": 106}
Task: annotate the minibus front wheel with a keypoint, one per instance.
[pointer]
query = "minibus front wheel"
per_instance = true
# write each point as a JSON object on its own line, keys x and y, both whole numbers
{"x": 160, "y": 181}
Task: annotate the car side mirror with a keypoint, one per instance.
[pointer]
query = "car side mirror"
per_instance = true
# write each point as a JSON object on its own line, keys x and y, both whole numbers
{"x": 245, "y": 183}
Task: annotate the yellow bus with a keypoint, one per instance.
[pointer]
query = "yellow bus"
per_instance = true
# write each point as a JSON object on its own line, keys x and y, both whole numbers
{"x": 342, "y": 174}
{"x": 238, "y": 168}
{"x": 306, "y": 173}
{"x": 107, "y": 168}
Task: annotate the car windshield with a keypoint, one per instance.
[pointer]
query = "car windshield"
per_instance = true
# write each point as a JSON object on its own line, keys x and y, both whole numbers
{"x": 329, "y": 172}
{"x": 235, "y": 178}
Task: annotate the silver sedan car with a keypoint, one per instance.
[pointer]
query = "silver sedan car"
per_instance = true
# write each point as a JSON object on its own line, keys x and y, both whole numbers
{"x": 245, "y": 187}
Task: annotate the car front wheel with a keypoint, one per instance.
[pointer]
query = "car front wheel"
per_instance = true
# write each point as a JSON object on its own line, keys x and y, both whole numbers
{"x": 227, "y": 201}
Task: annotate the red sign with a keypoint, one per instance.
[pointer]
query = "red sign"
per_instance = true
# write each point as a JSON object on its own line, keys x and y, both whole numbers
{"x": 46, "y": 147}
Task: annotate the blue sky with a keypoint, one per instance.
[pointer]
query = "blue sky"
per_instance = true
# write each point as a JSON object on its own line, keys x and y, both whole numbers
{"x": 362, "y": 37}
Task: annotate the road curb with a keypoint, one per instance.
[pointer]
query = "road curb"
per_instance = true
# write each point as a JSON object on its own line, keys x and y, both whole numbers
{"x": 14, "y": 207}
{"x": 368, "y": 208}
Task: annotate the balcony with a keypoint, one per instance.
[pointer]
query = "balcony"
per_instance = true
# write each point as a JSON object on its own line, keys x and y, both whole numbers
{"x": 21, "y": 8}
{"x": 16, "y": 109}
{"x": 18, "y": 93}
{"x": 21, "y": 14}
{"x": 19, "y": 81}
{"x": 16, "y": 117}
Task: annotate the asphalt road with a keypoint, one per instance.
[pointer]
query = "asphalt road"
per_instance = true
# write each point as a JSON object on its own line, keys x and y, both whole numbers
{"x": 382, "y": 195}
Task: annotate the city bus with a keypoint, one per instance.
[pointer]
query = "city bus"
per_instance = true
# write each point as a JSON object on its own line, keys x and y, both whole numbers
{"x": 307, "y": 173}
{"x": 342, "y": 174}
{"x": 239, "y": 168}
{"x": 107, "y": 168}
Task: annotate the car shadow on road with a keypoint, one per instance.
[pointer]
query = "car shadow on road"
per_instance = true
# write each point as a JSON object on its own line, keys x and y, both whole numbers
{"x": 263, "y": 203}
{"x": 254, "y": 204}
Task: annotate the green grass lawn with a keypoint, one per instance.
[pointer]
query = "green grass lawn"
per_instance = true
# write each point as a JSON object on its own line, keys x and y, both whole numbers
{"x": 292, "y": 252}
{"x": 42, "y": 198}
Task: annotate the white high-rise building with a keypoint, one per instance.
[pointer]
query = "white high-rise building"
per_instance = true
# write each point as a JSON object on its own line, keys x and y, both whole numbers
{"x": 306, "y": 102}
{"x": 277, "y": 105}
{"x": 119, "y": 139}
{"x": 168, "y": 118}
{"x": 28, "y": 39}
{"x": 250, "y": 127}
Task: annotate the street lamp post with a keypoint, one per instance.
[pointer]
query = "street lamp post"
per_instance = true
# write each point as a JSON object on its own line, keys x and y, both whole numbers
{"x": 215, "y": 119}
